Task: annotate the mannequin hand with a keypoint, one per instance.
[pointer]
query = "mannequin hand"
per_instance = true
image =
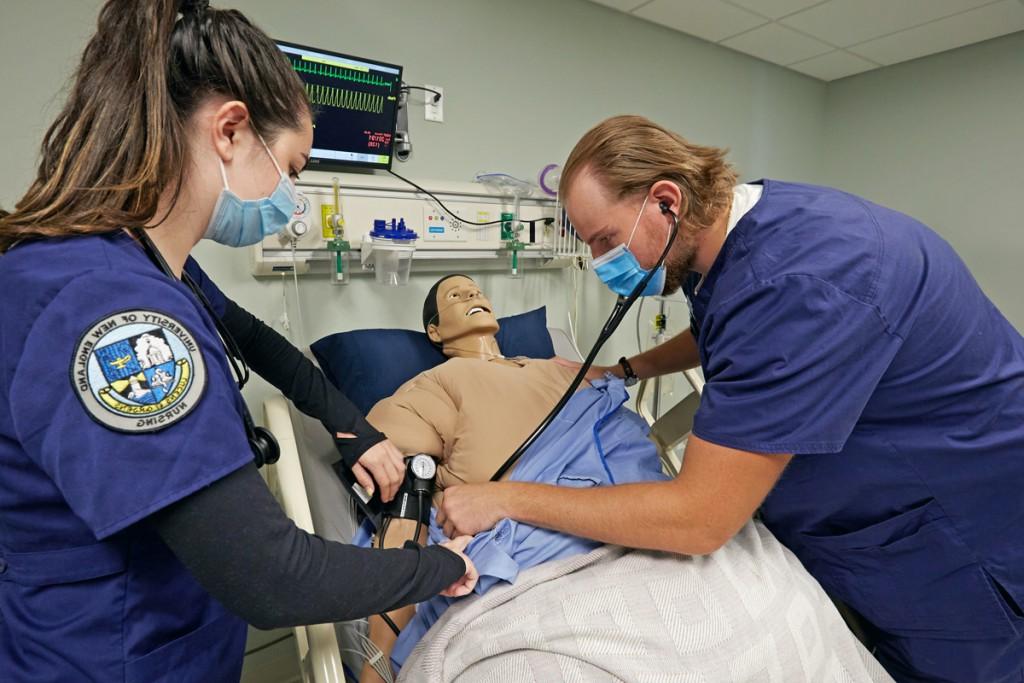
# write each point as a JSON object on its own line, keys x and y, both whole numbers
{"x": 471, "y": 508}
{"x": 465, "y": 585}
{"x": 595, "y": 371}
{"x": 381, "y": 463}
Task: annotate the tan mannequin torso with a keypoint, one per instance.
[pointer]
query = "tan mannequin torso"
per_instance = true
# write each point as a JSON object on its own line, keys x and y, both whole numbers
{"x": 471, "y": 414}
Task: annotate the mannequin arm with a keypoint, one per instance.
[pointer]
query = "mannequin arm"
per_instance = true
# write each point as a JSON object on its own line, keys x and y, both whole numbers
{"x": 410, "y": 417}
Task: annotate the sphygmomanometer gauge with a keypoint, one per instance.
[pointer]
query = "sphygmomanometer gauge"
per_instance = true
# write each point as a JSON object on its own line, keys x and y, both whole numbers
{"x": 423, "y": 466}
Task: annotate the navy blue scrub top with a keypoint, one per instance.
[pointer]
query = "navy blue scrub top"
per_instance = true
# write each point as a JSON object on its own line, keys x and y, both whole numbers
{"x": 854, "y": 337}
{"x": 116, "y": 400}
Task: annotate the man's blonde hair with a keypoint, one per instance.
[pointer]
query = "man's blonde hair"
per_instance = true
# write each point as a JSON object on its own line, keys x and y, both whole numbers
{"x": 628, "y": 154}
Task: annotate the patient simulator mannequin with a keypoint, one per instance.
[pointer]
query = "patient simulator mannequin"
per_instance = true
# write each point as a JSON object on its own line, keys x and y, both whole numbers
{"x": 471, "y": 412}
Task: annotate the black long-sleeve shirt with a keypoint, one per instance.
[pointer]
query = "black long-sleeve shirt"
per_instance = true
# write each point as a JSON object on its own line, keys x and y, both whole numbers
{"x": 239, "y": 545}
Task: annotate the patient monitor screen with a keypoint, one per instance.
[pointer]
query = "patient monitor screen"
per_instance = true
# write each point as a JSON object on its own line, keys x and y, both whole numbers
{"x": 355, "y": 103}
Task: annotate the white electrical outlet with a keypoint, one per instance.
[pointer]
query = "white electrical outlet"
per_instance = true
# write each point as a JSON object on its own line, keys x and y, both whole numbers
{"x": 434, "y": 111}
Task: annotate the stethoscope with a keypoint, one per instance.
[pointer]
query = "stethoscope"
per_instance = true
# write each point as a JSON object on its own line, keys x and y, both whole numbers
{"x": 622, "y": 306}
{"x": 265, "y": 450}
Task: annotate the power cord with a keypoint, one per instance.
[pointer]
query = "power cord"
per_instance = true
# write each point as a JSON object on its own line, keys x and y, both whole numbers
{"x": 545, "y": 221}
{"x": 437, "y": 95}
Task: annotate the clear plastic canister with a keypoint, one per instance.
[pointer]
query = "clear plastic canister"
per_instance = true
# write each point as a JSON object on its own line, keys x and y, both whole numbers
{"x": 392, "y": 261}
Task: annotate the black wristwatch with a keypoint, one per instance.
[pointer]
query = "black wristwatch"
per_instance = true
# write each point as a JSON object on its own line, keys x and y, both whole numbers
{"x": 630, "y": 377}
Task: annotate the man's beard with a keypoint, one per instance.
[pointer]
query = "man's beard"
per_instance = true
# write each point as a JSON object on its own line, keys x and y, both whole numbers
{"x": 679, "y": 262}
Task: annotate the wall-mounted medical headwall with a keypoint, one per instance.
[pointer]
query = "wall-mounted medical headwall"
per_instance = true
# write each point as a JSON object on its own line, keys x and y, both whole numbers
{"x": 383, "y": 227}
{"x": 356, "y": 104}
{"x": 363, "y": 223}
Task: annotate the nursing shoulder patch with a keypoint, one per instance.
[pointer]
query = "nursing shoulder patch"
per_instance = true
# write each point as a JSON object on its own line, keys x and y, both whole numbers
{"x": 138, "y": 371}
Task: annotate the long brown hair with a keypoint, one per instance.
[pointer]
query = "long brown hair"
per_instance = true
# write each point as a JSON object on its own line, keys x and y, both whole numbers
{"x": 120, "y": 140}
{"x": 628, "y": 154}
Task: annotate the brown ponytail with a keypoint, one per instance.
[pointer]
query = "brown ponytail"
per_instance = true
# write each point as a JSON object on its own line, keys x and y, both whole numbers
{"x": 119, "y": 141}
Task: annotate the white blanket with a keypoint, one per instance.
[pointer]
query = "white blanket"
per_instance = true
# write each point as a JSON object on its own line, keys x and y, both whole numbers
{"x": 748, "y": 612}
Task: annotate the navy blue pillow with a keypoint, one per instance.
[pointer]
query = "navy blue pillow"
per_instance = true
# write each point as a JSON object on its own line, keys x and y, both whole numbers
{"x": 368, "y": 365}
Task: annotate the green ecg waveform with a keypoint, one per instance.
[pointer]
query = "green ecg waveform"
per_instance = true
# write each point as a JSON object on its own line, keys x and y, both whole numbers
{"x": 341, "y": 73}
{"x": 325, "y": 95}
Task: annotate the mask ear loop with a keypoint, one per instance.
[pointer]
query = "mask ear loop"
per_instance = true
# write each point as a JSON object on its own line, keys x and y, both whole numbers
{"x": 269, "y": 153}
{"x": 636, "y": 223}
{"x": 290, "y": 186}
{"x": 224, "y": 174}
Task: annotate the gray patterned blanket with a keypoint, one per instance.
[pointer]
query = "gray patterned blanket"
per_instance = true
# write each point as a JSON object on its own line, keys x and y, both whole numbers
{"x": 748, "y": 612}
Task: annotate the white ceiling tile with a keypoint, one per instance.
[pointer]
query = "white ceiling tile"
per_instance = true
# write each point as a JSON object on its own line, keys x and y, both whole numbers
{"x": 777, "y": 44}
{"x": 833, "y": 65}
{"x": 708, "y": 19}
{"x": 848, "y": 22}
{"x": 621, "y": 5}
{"x": 979, "y": 24}
{"x": 774, "y": 9}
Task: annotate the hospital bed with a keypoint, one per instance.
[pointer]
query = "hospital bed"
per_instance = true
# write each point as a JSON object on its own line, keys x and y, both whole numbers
{"x": 314, "y": 498}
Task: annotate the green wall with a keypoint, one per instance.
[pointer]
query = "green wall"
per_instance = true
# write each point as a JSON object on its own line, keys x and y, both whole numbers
{"x": 942, "y": 138}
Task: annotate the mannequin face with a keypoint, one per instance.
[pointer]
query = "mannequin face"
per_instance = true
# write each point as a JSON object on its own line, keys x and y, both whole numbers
{"x": 462, "y": 311}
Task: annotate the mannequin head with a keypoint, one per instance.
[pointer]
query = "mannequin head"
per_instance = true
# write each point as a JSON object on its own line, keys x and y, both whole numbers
{"x": 459, "y": 319}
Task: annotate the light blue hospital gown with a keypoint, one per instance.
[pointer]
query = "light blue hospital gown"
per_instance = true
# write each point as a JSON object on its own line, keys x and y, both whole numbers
{"x": 593, "y": 442}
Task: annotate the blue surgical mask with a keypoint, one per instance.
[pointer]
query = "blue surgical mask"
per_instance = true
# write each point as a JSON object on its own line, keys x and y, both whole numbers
{"x": 621, "y": 272}
{"x": 239, "y": 222}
